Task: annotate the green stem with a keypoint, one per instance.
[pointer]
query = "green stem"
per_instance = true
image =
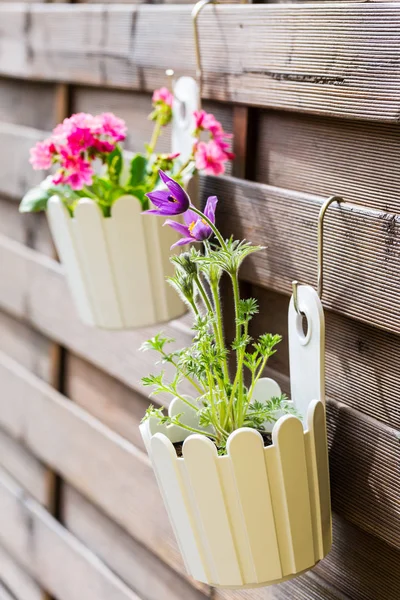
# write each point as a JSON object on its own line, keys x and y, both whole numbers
{"x": 177, "y": 367}
{"x": 154, "y": 138}
{"x": 90, "y": 194}
{"x": 192, "y": 429}
{"x": 185, "y": 165}
{"x": 218, "y": 313}
{"x": 257, "y": 377}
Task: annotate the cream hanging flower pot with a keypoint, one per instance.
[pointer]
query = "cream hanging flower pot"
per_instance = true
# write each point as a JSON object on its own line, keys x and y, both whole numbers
{"x": 259, "y": 514}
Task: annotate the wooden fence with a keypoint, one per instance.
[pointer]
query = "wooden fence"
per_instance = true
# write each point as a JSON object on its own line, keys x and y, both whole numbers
{"x": 312, "y": 94}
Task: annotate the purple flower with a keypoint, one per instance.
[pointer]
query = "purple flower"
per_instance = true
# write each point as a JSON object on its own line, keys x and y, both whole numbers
{"x": 172, "y": 201}
{"x": 195, "y": 228}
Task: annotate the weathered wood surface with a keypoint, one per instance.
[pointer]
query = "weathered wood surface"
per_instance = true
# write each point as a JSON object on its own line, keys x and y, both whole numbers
{"x": 333, "y": 58}
{"x": 361, "y": 360}
{"x": 318, "y": 155}
{"x": 364, "y": 456}
{"x": 148, "y": 576}
{"x": 29, "y": 229}
{"x": 25, "y": 345}
{"x": 20, "y": 584}
{"x": 134, "y": 108}
{"x": 360, "y": 564}
{"x": 354, "y": 349}
{"x": 17, "y": 175}
{"x": 82, "y": 450}
{"x": 50, "y": 553}
{"x": 305, "y": 587}
{"x": 360, "y": 247}
{"x": 28, "y": 103}
{"x": 106, "y": 398}
{"x": 25, "y": 468}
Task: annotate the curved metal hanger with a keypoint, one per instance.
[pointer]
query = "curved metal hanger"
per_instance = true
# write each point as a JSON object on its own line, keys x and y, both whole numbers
{"x": 320, "y": 285}
{"x": 198, "y": 7}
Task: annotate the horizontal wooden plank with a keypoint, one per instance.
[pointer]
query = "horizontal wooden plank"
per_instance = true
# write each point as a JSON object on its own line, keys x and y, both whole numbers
{"x": 28, "y": 273}
{"x": 354, "y": 352}
{"x": 364, "y": 455}
{"x": 25, "y": 468}
{"x": 106, "y": 398}
{"x": 134, "y": 108}
{"x": 46, "y": 550}
{"x": 17, "y": 580}
{"x": 82, "y": 450}
{"x": 17, "y": 175}
{"x": 28, "y": 103}
{"x": 305, "y": 587}
{"x": 361, "y": 563}
{"x": 148, "y": 576}
{"x": 331, "y": 58}
{"x": 25, "y": 345}
{"x": 360, "y": 247}
{"x": 319, "y": 155}
{"x": 29, "y": 229}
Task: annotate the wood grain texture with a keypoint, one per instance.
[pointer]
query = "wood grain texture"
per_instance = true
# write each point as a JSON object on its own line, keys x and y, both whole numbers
{"x": 360, "y": 247}
{"x": 106, "y": 398}
{"x": 17, "y": 581}
{"x": 82, "y": 450}
{"x": 332, "y": 58}
{"x": 50, "y": 553}
{"x": 29, "y": 229}
{"x": 361, "y": 360}
{"x": 134, "y": 108}
{"x": 25, "y": 345}
{"x": 317, "y": 155}
{"x": 123, "y": 554}
{"x": 361, "y": 563}
{"x": 305, "y": 587}
{"x": 17, "y": 175}
{"x": 353, "y": 349}
{"x": 364, "y": 457}
{"x": 25, "y": 468}
{"x": 28, "y": 103}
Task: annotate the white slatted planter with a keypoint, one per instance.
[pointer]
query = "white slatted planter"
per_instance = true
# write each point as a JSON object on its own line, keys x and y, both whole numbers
{"x": 258, "y": 515}
{"x": 117, "y": 266}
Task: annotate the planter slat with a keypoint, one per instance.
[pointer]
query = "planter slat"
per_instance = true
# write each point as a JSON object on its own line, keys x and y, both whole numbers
{"x": 200, "y": 456}
{"x": 98, "y": 278}
{"x": 291, "y": 497}
{"x": 177, "y": 502}
{"x": 130, "y": 261}
{"x": 61, "y": 226}
{"x": 246, "y": 448}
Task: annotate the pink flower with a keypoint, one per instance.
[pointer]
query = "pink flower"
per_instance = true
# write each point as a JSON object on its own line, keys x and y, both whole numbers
{"x": 75, "y": 171}
{"x": 207, "y": 122}
{"x": 80, "y": 139}
{"x": 224, "y": 145}
{"x": 78, "y": 120}
{"x": 42, "y": 155}
{"x": 103, "y": 146}
{"x": 163, "y": 96}
{"x": 210, "y": 158}
{"x": 109, "y": 125}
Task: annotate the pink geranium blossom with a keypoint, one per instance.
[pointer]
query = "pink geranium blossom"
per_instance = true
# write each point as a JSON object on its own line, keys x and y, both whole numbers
{"x": 205, "y": 121}
{"x": 42, "y": 155}
{"x": 108, "y": 125}
{"x": 75, "y": 171}
{"x": 80, "y": 139}
{"x": 210, "y": 158}
{"x": 163, "y": 96}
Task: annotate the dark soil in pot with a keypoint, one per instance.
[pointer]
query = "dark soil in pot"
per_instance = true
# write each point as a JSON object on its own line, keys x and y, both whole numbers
{"x": 267, "y": 437}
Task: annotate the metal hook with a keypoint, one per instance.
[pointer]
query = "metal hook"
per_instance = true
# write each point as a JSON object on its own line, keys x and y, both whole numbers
{"x": 320, "y": 284}
{"x": 198, "y": 7}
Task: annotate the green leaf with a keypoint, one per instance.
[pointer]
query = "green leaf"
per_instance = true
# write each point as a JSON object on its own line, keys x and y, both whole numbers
{"x": 115, "y": 163}
{"x": 35, "y": 200}
{"x": 137, "y": 171}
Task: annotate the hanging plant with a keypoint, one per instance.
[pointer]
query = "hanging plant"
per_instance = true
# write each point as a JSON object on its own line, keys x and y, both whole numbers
{"x": 86, "y": 152}
{"x": 243, "y": 470}
{"x": 115, "y": 260}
